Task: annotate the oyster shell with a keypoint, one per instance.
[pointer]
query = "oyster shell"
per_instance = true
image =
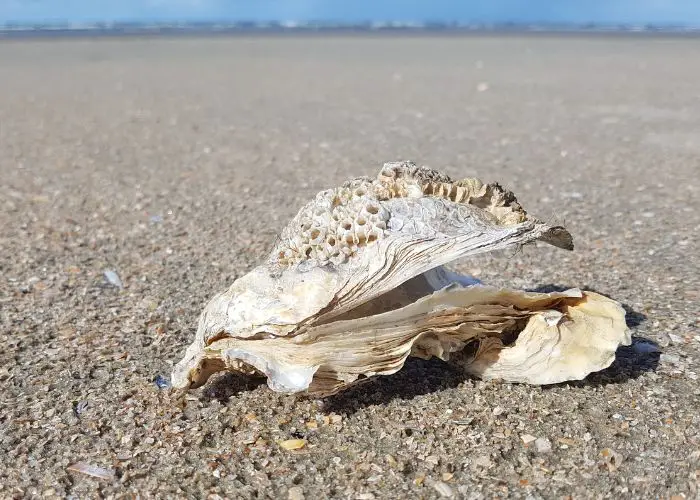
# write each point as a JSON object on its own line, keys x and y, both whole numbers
{"x": 356, "y": 284}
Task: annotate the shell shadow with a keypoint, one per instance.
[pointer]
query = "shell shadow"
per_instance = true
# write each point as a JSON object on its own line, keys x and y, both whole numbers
{"x": 224, "y": 386}
{"x": 631, "y": 362}
{"x": 416, "y": 378}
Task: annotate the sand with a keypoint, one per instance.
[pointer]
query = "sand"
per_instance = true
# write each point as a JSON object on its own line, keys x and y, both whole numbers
{"x": 174, "y": 163}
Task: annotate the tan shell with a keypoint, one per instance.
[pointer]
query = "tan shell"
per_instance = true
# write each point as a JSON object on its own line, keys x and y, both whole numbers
{"x": 356, "y": 284}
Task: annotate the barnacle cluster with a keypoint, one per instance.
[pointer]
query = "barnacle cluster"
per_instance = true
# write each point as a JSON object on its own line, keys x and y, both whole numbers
{"x": 334, "y": 226}
{"x": 340, "y": 221}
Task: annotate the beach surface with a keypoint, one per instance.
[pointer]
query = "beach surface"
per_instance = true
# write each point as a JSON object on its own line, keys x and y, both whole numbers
{"x": 173, "y": 164}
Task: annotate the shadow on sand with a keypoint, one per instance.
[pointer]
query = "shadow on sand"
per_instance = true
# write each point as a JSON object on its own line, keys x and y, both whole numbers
{"x": 227, "y": 385}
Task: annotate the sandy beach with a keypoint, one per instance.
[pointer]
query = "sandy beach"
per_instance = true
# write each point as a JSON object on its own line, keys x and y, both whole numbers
{"x": 173, "y": 163}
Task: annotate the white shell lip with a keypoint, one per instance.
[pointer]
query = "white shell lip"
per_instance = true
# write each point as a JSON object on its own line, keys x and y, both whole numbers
{"x": 332, "y": 306}
{"x": 281, "y": 378}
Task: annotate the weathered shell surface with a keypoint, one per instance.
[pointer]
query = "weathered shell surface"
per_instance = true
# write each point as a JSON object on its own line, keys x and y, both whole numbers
{"x": 356, "y": 285}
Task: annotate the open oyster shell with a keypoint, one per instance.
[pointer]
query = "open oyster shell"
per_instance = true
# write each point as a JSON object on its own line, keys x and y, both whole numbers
{"x": 356, "y": 284}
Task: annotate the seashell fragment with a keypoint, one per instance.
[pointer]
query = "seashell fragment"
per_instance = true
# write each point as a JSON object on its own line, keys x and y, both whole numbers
{"x": 92, "y": 470}
{"x": 356, "y": 284}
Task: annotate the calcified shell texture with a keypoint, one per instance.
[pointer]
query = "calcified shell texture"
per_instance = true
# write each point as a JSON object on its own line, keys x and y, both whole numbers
{"x": 339, "y": 221}
{"x": 356, "y": 284}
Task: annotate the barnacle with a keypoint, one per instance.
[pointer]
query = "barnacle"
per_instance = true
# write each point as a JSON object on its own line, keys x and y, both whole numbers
{"x": 357, "y": 283}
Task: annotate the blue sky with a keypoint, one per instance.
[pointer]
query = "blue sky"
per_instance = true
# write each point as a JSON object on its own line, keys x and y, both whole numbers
{"x": 527, "y": 11}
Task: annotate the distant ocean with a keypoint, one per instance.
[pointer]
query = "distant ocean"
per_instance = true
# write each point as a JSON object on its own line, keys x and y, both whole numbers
{"x": 14, "y": 31}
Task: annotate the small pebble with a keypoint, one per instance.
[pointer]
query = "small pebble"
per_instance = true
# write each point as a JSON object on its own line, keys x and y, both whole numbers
{"x": 80, "y": 407}
{"x": 671, "y": 359}
{"x": 443, "y": 489}
{"x": 483, "y": 461}
{"x": 527, "y": 438}
{"x": 675, "y": 339}
{"x": 162, "y": 382}
{"x": 611, "y": 458}
{"x": 295, "y": 493}
{"x": 543, "y": 445}
{"x": 293, "y": 444}
{"x": 113, "y": 279}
